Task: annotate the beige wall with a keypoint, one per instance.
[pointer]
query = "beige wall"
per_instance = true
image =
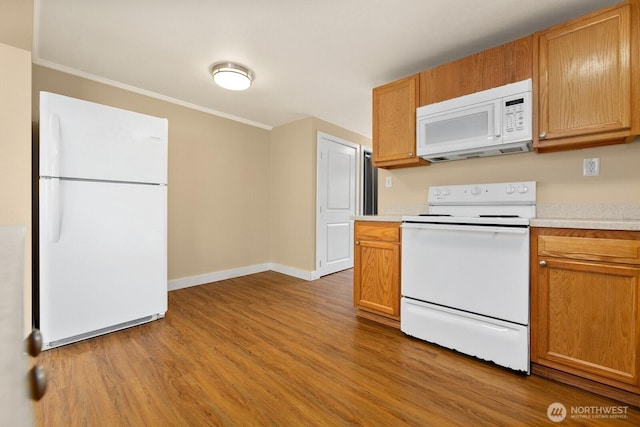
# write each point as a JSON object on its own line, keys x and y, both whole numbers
{"x": 238, "y": 195}
{"x": 331, "y": 129}
{"x": 15, "y": 151}
{"x": 293, "y": 189}
{"x": 558, "y": 175}
{"x": 219, "y": 194}
{"x": 293, "y": 195}
{"x": 16, "y": 28}
{"x": 16, "y": 23}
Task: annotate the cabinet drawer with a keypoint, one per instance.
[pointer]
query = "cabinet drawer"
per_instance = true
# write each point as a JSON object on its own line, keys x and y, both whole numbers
{"x": 593, "y": 249}
{"x": 382, "y": 231}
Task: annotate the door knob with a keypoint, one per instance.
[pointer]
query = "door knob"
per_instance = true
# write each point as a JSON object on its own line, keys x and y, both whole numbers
{"x": 38, "y": 382}
{"x": 34, "y": 343}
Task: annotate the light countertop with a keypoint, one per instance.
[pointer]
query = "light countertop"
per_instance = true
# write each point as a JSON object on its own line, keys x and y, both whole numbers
{"x": 589, "y": 216}
{"x": 385, "y": 218}
{"x": 595, "y": 216}
{"x": 588, "y": 223}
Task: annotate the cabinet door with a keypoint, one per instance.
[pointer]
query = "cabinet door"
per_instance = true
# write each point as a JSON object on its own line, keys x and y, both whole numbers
{"x": 394, "y": 123}
{"x": 498, "y": 66}
{"x": 585, "y": 320}
{"x": 584, "y": 78}
{"x": 377, "y": 276}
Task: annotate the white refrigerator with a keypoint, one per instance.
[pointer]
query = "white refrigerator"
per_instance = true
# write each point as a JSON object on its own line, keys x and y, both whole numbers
{"x": 102, "y": 219}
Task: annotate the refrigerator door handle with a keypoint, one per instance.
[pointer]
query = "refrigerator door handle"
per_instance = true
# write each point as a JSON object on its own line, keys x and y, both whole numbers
{"x": 53, "y": 207}
{"x": 54, "y": 146}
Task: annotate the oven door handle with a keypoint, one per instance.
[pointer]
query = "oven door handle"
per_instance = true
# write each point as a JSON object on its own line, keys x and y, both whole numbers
{"x": 465, "y": 228}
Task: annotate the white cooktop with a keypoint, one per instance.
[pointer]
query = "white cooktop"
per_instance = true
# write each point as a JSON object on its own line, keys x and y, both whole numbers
{"x": 509, "y": 203}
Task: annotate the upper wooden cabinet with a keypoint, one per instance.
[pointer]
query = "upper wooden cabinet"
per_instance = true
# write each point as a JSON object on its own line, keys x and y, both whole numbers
{"x": 586, "y": 86}
{"x": 501, "y": 65}
{"x": 394, "y": 124}
{"x": 394, "y": 104}
{"x": 587, "y": 80}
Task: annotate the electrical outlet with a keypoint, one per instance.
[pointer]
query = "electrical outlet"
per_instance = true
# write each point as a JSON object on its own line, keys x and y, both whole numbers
{"x": 591, "y": 167}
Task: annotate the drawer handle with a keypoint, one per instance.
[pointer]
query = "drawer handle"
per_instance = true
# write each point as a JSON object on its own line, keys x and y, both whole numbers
{"x": 543, "y": 263}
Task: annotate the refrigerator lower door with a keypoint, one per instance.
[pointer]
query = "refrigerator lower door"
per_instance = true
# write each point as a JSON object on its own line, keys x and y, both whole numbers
{"x": 103, "y": 257}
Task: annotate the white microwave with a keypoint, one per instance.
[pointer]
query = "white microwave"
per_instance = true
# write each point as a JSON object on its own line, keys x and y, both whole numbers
{"x": 488, "y": 123}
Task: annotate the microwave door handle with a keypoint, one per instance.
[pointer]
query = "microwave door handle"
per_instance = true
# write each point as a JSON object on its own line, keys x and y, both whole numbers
{"x": 497, "y": 111}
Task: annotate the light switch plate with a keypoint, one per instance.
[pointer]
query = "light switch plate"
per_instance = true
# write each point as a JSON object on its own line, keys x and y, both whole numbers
{"x": 388, "y": 182}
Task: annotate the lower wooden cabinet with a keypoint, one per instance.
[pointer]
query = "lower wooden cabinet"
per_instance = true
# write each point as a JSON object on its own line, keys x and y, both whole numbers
{"x": 376, "y": 276}
{"x": 585, "y": 308}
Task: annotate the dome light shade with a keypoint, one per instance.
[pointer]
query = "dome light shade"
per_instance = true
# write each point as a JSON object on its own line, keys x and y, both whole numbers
{"x": 232, "y": 76}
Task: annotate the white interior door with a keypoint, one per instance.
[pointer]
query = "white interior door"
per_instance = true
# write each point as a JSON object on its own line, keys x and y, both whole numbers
{"x": 336, "y": 192}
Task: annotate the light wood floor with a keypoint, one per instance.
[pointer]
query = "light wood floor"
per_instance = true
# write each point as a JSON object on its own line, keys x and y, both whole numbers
{"x": 268, "y": 349}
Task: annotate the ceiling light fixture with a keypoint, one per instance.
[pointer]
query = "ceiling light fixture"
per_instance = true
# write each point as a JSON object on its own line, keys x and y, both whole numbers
{"x": 232, "y": 76}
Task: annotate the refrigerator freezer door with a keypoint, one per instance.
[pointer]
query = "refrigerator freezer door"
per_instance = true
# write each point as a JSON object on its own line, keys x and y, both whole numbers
{"x": 104, "y": 261}
{"x": 84, "y": 140}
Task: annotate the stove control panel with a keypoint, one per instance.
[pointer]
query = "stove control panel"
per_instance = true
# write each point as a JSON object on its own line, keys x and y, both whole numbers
{"x": 508, "y": 193}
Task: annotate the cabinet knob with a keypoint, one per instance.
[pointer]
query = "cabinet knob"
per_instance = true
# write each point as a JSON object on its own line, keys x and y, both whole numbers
{"x": 543, "y": 135}
{"x": 543, "y": 263}
{"x": 357, "y": 242}
{"x": 38, "y": 382}
{"x": 410, "y": 154}
{"x": 34, "y": 343}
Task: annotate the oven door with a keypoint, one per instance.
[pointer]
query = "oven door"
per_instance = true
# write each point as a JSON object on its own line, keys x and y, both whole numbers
{"x": 481, "y": 269}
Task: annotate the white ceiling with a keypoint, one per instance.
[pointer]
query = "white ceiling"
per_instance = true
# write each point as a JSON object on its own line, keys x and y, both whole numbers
{"x": 310, "y": 57}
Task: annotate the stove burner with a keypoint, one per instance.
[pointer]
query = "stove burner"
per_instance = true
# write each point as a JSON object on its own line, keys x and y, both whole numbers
{"x": 499, "y": 216}
{"x": 434, "y": 215}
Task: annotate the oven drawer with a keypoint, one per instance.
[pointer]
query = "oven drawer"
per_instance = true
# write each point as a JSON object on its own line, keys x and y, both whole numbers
{"x": 504, "y": 343}
{"x": 591, "y": 249}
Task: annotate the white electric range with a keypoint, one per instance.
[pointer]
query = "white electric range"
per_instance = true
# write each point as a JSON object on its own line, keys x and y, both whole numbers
{"x": 465, "y": 271}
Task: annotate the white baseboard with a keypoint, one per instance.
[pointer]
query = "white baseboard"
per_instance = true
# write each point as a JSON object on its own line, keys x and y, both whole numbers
{"x": 201, "y": 279}
{"x": 294, "y": 272}
{"x": 217, "y": 276}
